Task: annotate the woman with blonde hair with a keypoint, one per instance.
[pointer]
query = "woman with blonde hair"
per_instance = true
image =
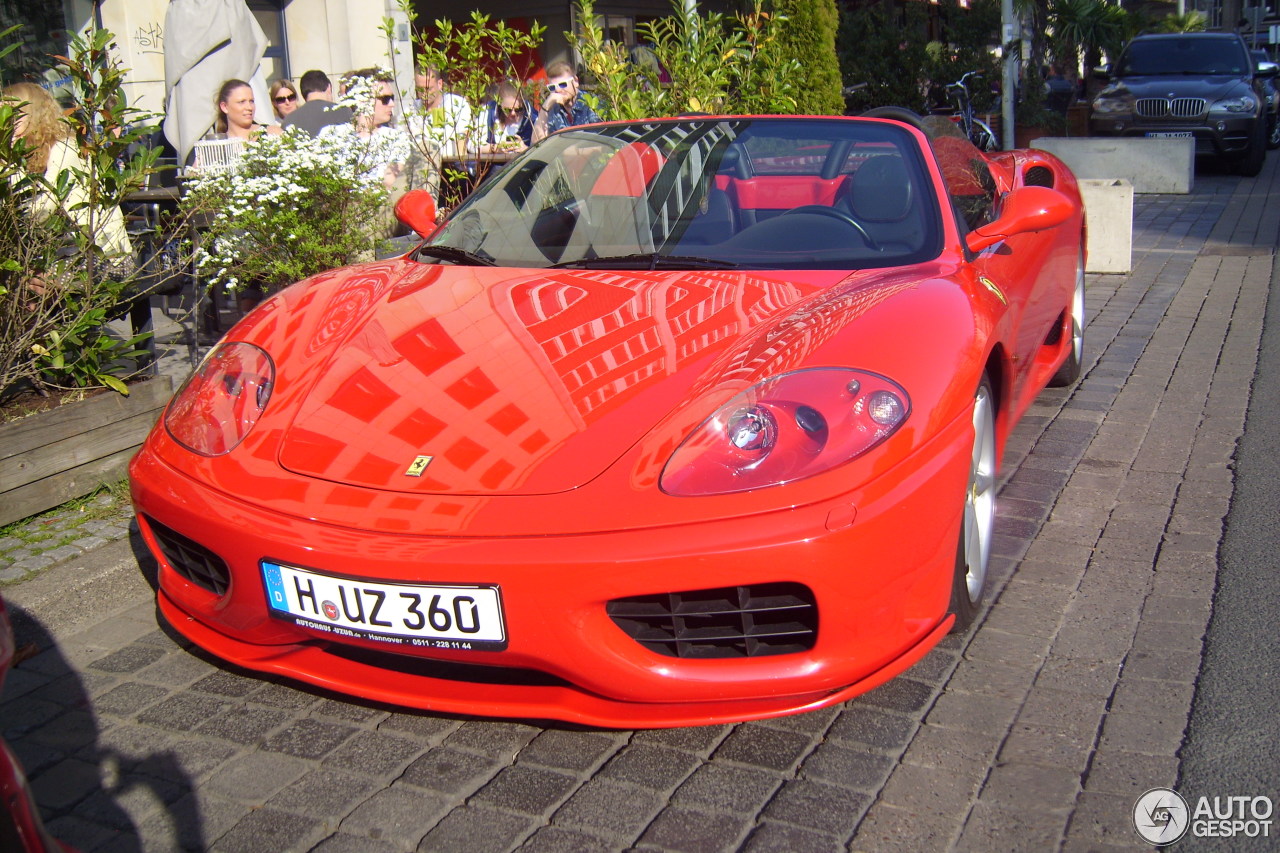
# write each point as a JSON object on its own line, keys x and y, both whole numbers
{"x": 40, "y": 123}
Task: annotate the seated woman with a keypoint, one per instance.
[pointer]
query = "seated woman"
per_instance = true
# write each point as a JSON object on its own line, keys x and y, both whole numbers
{"x": 234, "y": 126}
{"x": 41, "y": 125}
{"x": 284, "y": 98}
{"x": 506, "y": 122}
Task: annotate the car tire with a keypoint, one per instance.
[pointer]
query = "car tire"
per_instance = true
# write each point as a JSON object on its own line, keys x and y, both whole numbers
{"x": 973, "y": 552}
{"x": 1069, "y": 372}
{"x": 1250, "y": 164}
{"x": 1273, "y": 133}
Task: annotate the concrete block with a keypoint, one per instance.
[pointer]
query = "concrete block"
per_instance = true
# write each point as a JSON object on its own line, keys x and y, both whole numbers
{"x": 1108, "y": 217}
{"x": 1151, "y": 165}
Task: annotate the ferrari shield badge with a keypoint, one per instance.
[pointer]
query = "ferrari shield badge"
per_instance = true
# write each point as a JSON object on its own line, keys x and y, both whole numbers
{"x": 418, "y": 465}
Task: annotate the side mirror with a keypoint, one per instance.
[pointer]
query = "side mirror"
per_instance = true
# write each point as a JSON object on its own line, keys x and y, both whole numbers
{"x": 417, "y": 209}
{"x": 1102, "y": 72}
{"x": 1267, "y": 70}
{"x": 1024, "y": 210}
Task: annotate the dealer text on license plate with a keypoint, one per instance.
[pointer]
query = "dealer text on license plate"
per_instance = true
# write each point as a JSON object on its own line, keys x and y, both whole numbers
{"x": 426, "y": 615}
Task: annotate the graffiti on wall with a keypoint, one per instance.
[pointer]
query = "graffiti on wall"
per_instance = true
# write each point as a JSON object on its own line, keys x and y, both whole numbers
{"x": 149, "y": 38}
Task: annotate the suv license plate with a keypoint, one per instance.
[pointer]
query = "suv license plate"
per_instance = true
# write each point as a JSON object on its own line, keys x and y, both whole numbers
{"x": 426, "y": 615}
{"x": 1170, "y": 134}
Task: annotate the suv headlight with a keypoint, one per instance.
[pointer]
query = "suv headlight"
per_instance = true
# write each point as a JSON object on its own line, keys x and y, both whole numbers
{"x": 1110, "y": 105}
{"x": 1241, "y": 104}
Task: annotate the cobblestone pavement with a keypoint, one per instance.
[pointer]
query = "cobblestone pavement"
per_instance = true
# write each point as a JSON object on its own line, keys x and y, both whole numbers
{"x": 1037, "y": 730}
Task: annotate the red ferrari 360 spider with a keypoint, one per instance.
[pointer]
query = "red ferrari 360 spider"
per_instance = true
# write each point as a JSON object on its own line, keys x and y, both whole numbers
{"x": 672, "y": 422}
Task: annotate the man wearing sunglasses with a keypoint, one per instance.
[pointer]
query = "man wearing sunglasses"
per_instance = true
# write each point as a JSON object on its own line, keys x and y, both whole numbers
{"x": 561, "y": 106}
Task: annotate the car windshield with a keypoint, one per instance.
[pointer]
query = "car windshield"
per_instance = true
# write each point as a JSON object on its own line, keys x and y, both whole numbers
{"x": 1191, "y": 55}
{"x": 705, "y": 193}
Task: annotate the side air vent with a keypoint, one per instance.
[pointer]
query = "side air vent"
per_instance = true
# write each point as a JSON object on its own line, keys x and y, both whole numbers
{"x": 190, "y": 559}
{"x": 1038, "y": 176}
{"x": 731, "y": 622}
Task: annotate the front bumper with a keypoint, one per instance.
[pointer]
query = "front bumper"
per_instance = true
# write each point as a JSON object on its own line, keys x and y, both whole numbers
{"x": 1219, "y": 137}
{"x": 879, "y": 562}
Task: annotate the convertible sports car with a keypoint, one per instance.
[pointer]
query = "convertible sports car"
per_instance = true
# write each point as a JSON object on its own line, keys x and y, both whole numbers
{"x": 671, "y": 422}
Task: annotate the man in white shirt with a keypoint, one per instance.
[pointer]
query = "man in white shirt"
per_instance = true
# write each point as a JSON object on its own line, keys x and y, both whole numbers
{"x": 441, "y": 116}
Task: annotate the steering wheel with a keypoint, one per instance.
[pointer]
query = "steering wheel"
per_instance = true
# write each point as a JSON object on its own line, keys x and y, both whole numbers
{"x": 823, "y": 210}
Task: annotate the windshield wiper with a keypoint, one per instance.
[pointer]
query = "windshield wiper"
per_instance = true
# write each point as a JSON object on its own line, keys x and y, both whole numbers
{"x": 647, "y": 261}
{"x": 457, "y": 256}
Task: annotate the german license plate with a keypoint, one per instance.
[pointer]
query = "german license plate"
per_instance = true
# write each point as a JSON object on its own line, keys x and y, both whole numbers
{"x": 1170, "y": 134}
{"x": 427, "y": 615}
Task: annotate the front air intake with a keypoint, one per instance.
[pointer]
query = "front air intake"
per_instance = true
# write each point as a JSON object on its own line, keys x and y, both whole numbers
{"x": 190, "y": 559}
{"x": 731, "y": 622}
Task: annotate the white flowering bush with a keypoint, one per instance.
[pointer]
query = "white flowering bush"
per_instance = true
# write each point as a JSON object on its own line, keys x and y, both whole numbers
{"x": 292, "y": 206}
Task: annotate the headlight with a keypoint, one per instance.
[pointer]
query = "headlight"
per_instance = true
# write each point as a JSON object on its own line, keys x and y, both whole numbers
{"x": 1243, "y": 104}
{"x": 1104, "y": 105}
{"x": 786, "y": 428}
{"x": 215, "y": 409}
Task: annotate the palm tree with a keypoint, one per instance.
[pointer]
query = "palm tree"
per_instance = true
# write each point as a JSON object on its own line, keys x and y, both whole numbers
{"x": 1190, "y": 22}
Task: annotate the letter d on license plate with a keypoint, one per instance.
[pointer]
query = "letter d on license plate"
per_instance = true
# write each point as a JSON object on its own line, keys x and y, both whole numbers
{"x": 426, "y": 615}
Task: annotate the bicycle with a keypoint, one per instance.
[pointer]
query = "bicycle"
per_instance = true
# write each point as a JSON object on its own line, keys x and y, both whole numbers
{"x": 977, "y": 130}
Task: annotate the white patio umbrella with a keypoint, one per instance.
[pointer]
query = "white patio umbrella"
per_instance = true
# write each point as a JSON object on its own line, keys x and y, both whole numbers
{"x": 207, "y": 42}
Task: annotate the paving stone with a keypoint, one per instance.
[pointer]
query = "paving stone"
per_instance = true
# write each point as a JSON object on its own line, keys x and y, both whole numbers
{"x": 877, "y": 729}
{"x": 528, "y": 790}
{"x": 722, "y": 787}
{"x": 972, "y": 712}
{"x": 924, "y": 790}
{"x": 308, "y": 738}
{"x": 183, "y": 712}
{"x": 374, "y": 754}
{"x": 1152, "y": 734}
{"x": 498, "y": 740}
{"x": 762, "y": 746}
{"x": 424, "y": 727}
{"x": 853, "y": 768}
{"x": 826, "y": 808}
{"x": 253, "y": 778}
{"x": 1129, "y": 774}
{"x": 680, "y": 829}
{"x": 341, "y": 842}
{"x": 555, "y": 839}
{"x": 773, "y": 836}
{"x": 188, "y": 824}
{"x": 244, "y": 725}
{"x": 1030, "y": 788}
{"x": 268, "y": 829}
{"x": 1102, "y": 819}
{"x": 900, "y": 694}
{"x": 699, "y": 739}
{"x": 650, "y": 767}
{"x": 399, "y": 813}
{"x": 129, "y": 659}
{"x": 128, "y": 699}
{"x": 477, "y": 830}
{"x": 603, "y": 807}
{"x": 992, "y": 827}
{"x": 324, "y": 793}
{"x": 228, "y": 684}
{"x": 445, "y": 769}
{"x": 890, "y": 828}
{"x": 66, "y": 783}
{"x": 572, "y": 751}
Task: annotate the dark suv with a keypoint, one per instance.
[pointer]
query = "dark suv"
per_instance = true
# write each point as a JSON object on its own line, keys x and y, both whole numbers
{"x": 1202, "y": 86}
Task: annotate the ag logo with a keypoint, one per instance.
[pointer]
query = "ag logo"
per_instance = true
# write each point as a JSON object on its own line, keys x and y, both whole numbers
{"x": 330, "y": 609}
{"x": 1161, "y": 816}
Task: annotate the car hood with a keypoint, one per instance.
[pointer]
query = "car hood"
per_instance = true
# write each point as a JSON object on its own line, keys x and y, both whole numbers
{"x": 1177, "y": 86}
{"x": 478, "y": 381}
